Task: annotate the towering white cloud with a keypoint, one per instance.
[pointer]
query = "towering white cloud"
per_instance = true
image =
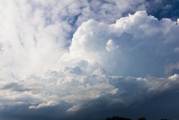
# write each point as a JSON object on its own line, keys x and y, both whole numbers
{"x": 135, "y": 45}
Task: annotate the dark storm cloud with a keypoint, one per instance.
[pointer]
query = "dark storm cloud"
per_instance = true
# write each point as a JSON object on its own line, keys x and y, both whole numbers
{"x": 150, "y": 97}
{"x": 22, "y": 112}
{"x": 153, "y": 109}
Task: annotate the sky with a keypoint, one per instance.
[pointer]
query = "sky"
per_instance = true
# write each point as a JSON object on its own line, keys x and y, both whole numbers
{"x": 89, "y": 59}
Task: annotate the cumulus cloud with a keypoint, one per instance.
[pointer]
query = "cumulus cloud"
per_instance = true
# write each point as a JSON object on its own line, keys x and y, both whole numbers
{"x": 29, "y": 26}
{"x": 139, "y": 44}
{"x": 72, "y": 57}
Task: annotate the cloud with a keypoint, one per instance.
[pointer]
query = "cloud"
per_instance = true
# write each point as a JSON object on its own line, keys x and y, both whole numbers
{"x": 142, "y": 45}
{"x": 66, "y": 59}
{"x": 75, "y": 93}
{"x": 29, "y": 26}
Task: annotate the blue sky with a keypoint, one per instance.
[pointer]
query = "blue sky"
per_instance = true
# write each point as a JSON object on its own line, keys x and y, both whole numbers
{"x": 89, "y": 59}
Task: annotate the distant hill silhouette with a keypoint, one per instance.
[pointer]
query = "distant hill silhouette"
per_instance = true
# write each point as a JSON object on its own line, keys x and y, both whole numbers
{"x": 142, "y": 118}
{"x": 117, "y": 118}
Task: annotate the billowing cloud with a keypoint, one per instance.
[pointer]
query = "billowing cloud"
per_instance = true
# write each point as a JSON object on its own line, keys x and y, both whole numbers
{"x": 71, "y": 59}
{"x": 29, "y": 26}
{"x": 135, "y": 45}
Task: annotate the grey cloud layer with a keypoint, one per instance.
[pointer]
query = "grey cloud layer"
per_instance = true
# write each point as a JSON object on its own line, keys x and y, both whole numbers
{"x": 73, "y": 94}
